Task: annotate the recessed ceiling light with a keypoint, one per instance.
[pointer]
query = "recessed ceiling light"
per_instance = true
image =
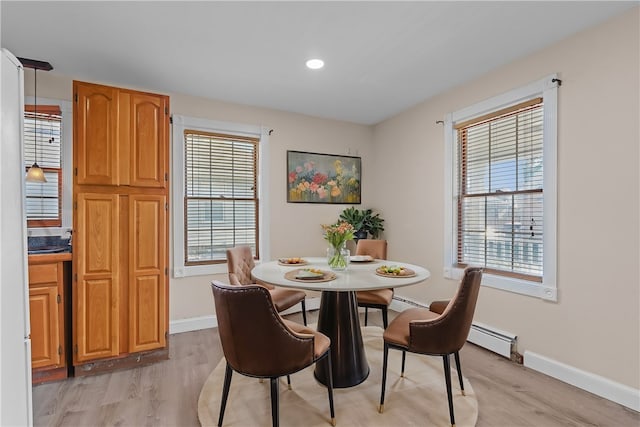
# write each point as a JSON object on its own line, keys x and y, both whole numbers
{"x": 315, "y": 64}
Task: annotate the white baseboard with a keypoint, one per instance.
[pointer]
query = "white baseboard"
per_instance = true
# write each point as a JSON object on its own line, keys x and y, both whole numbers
{"x": 310, "y": 304}
{"x": 600, "y": 386}
{"x": 402, "y": 304}
{"x": 192, "y": 324}
{"x": 205, "y": 322}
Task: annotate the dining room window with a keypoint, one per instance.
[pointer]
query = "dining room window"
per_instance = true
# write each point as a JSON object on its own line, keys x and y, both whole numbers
{"x": 43, "y": 145}
{"x": 502, "y": 212}
{"x": 500, "y": 192}
{"x": 220, "y": 171}
{"x": 221, "y": 195}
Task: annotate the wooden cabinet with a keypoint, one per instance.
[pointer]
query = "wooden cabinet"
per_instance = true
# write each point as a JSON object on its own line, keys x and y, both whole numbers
{"x": 148, "y": 141}
{"x": 95, "y": 134}
{"x": 46, "y": 341}
{"x": 47, "y": 304}
{"x": 120, "y": 223}
{"x": 120, "y": 137}
{"x": 147, "y": 279}
{"x": 95, "y": 296}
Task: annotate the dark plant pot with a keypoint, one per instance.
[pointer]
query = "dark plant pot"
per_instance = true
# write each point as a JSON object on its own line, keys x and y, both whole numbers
{"x": 360, "y": 234}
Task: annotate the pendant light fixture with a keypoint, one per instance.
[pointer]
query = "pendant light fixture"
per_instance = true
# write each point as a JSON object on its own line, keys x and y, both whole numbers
{"x": 35, "y": 172}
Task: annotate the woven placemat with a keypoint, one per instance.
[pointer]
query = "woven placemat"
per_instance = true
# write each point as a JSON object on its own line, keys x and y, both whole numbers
{"x": 407, "y": 273}
{"x": 327, "y": 277}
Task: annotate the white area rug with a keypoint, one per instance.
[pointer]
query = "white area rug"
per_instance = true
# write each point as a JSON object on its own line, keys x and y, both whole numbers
{"x": 418, "y": 399}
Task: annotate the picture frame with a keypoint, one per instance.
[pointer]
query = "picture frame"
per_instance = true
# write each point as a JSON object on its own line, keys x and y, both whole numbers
{"x": 323, "y": 178}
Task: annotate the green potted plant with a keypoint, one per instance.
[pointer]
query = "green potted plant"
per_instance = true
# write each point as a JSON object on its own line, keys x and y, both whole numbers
{"x": 363, "y": 221}
{"x": 373, "y": 225}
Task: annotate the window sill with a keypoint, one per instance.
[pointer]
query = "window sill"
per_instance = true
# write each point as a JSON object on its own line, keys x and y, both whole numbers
{"x": 201, "y": 270}
{"x": 510, "y": 284}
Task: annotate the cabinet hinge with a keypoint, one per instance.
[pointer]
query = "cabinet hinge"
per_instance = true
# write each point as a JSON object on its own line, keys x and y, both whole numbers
{"x": 76, "y": 97}
{"x": 166, "y": 176}
{"x": 59, "y": 349}
{"x": 75, "y": 277}
{"x": 75, "y": 349}
{"x": 166, "y": 111}
{"x": 166, "y": 271}
{"x": 59, "y": 299}
{"x": 75, "y": 205}
{"x": 166, "y": 335}
{"x": 75, "y": 171}
{"x": 171, "y": 119}
{"x": 166, "y": 206}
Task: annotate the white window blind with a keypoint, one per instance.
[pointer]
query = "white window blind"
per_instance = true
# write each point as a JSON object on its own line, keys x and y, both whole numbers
{"x": 221, "y": 195}
{"x": 42, "y": 145}
{"x": 500, "y": 200}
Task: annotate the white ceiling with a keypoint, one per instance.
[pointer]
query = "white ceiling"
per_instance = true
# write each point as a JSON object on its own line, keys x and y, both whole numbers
{"x": 381, "y": 57}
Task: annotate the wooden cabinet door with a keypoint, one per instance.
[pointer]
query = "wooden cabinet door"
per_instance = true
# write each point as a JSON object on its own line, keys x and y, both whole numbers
{"x": 147, "y": 272}
{"x": 46, "y": 348}
{"x": 149, "y": 124}
{"x": 95, "y": 291}
{"x": 95, "y": 118}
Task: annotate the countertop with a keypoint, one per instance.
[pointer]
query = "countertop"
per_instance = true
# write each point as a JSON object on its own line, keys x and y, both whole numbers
{"x": 47, "y": 258}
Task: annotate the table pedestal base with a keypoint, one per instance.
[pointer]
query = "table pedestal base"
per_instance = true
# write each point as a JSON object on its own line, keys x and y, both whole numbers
{"x": 338, "y": 319}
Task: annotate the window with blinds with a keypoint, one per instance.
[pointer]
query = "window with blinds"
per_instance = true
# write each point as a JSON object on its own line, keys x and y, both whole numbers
{"x": 42, "y": 145}
{"x": 500, "y": 195}
{"x": 221, "y": 195}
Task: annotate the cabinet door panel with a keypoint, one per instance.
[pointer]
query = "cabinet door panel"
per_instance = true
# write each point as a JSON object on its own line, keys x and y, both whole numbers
{"x": 45, "y": 328}
{"x": 95, "y": 296}
{"x": 95, "y": 134}
{"x": 149, "y": 124}
{"x": 147, "y": 283}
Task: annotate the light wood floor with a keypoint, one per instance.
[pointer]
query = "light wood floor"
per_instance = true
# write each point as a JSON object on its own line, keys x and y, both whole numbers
{"x": 166, "y": 393}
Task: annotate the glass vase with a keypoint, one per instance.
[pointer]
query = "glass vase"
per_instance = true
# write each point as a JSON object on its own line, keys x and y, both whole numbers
{"x": 338, "y": 258}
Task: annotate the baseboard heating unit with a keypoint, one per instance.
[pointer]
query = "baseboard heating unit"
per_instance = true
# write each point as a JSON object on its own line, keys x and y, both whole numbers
{"x": 500, "y": 342}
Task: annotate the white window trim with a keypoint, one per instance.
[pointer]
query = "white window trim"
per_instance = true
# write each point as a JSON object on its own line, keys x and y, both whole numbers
{"x": 66, "y": 163}
{"x": 180, "y": 123}
{"x": 548, "y": 89}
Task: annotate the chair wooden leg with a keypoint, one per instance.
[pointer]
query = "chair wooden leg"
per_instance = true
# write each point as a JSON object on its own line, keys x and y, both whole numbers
{"x": 304, "y": 312}
{"x": 385, "y": 359}
{"x": 404, "y": 359}
{"x": 275, "y": 421}
{"x": 330, "y": 388}
{"x": 457, "y": 357}
{"x": 447, "y": 379}
{"x": 366, "y": 315}
{"x": 385, "y": 321}
{"x": 225, "y": 393}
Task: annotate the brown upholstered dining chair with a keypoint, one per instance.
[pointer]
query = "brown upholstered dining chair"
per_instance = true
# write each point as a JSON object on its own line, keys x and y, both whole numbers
{"x": 379, "y": 298}
{"x": 438, "y": 307}
{"x": 257, "y": 342}
{"x": 421, "y": 331}
{"x": 240, "y": 263}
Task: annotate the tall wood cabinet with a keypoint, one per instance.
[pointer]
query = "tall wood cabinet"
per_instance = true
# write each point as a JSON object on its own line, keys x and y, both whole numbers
{"x": 120, "y": 257}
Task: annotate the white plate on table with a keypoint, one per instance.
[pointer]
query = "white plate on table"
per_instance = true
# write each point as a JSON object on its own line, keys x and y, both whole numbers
{"x": 361, "y": 258}
{"x": 309, "y": 275}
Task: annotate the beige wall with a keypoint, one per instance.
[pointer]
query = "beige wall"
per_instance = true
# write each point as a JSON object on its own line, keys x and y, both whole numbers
{"x": 295, "y": 228}
{"x": 595, "y": 324}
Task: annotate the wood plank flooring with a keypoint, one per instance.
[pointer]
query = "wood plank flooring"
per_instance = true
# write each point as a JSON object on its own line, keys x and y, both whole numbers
{"x": 166, "y": 393}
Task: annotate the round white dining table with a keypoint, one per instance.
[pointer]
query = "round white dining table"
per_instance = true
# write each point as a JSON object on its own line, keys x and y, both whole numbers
{"x": 338, "y": 316}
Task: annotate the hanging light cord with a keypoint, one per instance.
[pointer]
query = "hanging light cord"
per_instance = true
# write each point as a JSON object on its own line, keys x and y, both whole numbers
{"x": 35, "y": 113}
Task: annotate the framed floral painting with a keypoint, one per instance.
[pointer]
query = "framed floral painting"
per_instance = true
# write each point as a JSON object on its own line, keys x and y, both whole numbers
{"x": 323, "y": 178}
